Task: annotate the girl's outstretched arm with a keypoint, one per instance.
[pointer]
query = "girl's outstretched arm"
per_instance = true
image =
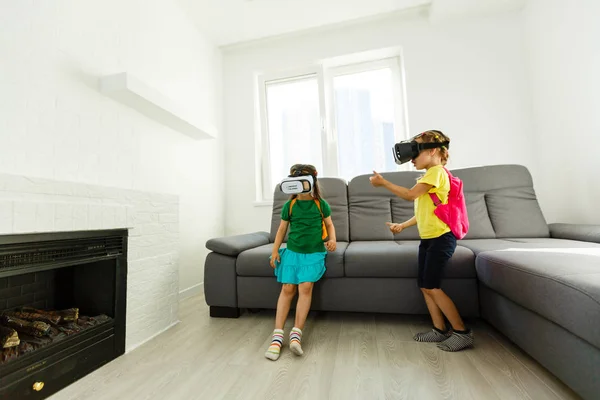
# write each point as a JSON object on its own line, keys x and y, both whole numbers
{"x": 407, "y": 194}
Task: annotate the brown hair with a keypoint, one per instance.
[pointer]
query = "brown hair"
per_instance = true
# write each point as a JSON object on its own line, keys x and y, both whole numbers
{"x": 434, "y": 136}
{"x": 306, "y": 169}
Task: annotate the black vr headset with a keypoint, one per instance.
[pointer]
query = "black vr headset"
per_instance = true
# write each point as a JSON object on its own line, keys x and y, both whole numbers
{"x": 409, "y": 149}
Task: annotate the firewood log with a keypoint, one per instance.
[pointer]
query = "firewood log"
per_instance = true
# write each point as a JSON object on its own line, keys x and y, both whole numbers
{"x": 68, "y": 315}
{"x": 9, "y": 354}
{"x": 36, "y": 315}
{"x": 13, "y": 352}
{"x": 70, "y": 329}
{"x": 35, "y": 328}
{"x": 8, "y": 337}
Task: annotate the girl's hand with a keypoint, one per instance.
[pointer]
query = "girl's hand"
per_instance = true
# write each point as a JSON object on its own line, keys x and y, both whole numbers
{"x": 275, "y": 259}
{"x": 377, "y": 179}
{"x": 330, "y": 245}
{"x": 395, "y": 228}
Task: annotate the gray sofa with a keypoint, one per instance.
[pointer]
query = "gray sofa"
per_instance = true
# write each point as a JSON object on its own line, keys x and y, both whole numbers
{"x": 538, "y": 284}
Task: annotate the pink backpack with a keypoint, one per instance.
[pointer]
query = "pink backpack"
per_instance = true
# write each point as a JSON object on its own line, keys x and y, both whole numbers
{"x": 454, "y": 213}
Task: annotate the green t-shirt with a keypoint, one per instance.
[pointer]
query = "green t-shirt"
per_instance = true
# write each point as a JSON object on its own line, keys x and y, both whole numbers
{"x": 305, "y": 232}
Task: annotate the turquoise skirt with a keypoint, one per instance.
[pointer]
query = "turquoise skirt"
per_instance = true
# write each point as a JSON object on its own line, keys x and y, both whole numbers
{"x": 296, "y": 268}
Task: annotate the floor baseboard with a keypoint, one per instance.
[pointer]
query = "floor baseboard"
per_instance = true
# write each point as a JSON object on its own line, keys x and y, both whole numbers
{"x": 191, "y": 291}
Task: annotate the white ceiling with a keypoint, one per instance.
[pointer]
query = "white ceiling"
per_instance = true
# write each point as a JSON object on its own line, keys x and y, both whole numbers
{"x": 232, "y": 21}
{"x": 444, "y": 10}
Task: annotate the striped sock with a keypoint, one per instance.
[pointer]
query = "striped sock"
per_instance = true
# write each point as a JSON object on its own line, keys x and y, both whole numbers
{"x": 275, "y": 347}
{"x": 432, "y": 336}
{"x": 458, "y": 341}
{"x": 296, "y": 341}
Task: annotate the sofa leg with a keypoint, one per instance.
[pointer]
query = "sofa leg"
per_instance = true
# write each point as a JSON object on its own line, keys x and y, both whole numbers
{"x": 224, "y": 312}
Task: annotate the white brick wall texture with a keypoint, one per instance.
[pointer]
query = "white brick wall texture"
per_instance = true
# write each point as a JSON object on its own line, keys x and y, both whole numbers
{"x": 29, "y": 205}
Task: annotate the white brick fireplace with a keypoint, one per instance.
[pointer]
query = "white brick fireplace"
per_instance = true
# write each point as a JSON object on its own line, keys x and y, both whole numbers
{"x": 29, "y": 205}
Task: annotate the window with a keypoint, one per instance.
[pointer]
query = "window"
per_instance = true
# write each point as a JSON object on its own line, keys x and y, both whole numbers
{"x": 294, "y": 124}
{"x": 343, "y": 120}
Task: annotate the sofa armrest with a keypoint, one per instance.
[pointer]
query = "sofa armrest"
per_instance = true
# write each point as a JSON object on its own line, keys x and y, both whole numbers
{"x": 234, "y": 245}
{"x": 581, "y": 232}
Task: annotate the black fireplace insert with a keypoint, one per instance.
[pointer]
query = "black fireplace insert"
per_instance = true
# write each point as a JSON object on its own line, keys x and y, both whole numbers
{"x": 62, "y": 308}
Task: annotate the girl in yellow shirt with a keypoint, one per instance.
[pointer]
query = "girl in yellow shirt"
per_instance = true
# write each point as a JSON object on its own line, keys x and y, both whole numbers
{"x": 437, "y": 242}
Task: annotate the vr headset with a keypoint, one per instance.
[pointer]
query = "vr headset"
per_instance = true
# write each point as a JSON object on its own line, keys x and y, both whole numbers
{"x": 300, "y": 180}
{"x": 297, "y": 184}
{"x": 409, "y": 149}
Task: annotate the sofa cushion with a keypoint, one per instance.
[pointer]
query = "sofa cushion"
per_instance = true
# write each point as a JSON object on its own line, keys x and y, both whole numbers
{"x": 403, "y": 210}
{"x": 334, "y": 191}
{"x": 515, "y": 212}
{"x": 255, "y": 262}
{"x": 481, "y": 245}
{"x": 510, "y": 199}
{"x": 560, "y": 284}
{"x": 371, "y": 207}
{"x": 391, "y": 259}
{"x": 583, "y": 232}
{"x": 493, "y": 177}
{"x": 480, "y": 225}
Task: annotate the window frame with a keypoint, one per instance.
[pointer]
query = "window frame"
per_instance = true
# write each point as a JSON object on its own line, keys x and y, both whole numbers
{"x": 324, "y": 75}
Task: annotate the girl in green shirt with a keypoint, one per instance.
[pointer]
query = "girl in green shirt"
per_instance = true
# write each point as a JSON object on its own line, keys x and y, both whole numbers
{"x": 302, "y": 262}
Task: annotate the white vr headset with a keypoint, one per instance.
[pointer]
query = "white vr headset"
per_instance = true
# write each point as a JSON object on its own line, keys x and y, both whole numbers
{"x": 297, "y": 184}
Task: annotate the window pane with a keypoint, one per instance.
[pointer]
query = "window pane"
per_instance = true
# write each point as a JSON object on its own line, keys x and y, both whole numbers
{"x": 364, "y": 108}
{"x": 294, "y": 126}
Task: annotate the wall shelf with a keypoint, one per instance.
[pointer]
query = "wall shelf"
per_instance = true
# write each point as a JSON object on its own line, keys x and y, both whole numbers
{"x": 131, "y": 91}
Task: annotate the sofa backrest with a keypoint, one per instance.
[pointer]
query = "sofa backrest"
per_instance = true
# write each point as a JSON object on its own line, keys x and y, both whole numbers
{"x": 335, "y": 192}
{"x": 504, "y": 196}
{"x": 500, "y": 201}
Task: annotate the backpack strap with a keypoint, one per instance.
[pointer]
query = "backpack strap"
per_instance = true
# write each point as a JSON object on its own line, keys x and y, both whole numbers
{"x": 434, "y": 197}
{"x": 323, "y": 227}
{"x": 318, "y": 203}
{"x": 291, "y": 205}
{"x": 436, "y": 200}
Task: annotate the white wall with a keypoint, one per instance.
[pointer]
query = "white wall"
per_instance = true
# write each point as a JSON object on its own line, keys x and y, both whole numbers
{"x": 467, "y": 78}
{"x": 54, "y": 123}
{"x": 563, "y": 42}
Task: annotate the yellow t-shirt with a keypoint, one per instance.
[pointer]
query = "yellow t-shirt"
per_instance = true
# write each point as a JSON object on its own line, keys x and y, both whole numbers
{"x": 430, "y": 226}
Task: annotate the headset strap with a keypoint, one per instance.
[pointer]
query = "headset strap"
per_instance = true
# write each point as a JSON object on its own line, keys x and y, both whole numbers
{"x": 434, "y": 145}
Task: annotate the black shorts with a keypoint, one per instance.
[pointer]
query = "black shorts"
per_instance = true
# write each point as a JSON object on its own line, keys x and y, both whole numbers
{"x": 434, "y": 255}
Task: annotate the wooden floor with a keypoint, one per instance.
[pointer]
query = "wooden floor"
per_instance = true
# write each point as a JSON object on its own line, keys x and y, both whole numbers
{"x": 347, "y": 356}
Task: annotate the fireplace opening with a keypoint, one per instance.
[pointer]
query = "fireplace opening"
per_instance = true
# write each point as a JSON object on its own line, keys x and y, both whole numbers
{"x": 52, "y": 305}
{"x": 62, "y": 308}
